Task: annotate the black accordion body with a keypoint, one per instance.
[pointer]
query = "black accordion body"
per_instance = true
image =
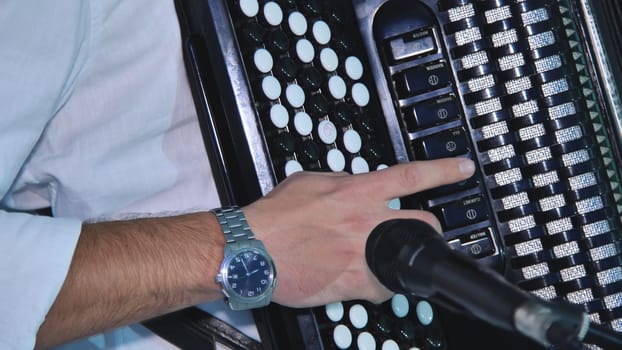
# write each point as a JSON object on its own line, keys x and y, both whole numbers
{"x": 528, "y": 89}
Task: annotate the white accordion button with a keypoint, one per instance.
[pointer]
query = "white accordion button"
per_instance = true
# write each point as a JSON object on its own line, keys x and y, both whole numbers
{"x": 366, "y": 341}
{"x": 263, "y": 60}
{"x": 395, "y": 204}
{"x": 390, "y": 344}
{"x": 271, "y": 87}
{"x": 342, "y": 337}
{"x": 359, "y": 165}
{"x": 327, "y": 132}
{"x": 352, "y": 141}
{"x": 354, "y": 68}
{"x": 292, "y": 167}
{"x": 273, "y": 13}
{"x": 329, "y": 59}
{"x": 321, "y": 32}
{"x": 295, "y": 95}
{"x": 399, "y": 305}
{"x": 360, "y": 94}
{"x": 305, "y": 51}
{"x": 337, "y": 87}
{"x": 303, "y": 123}
{"x": 334, "y": 311}
{"x": 358, "y": 316}
{"x": 425, "y": 314}
{"x": 250, "y": 8}
{"x": 297, "y": 23}
{"x": 279, "y": 116}
{"x": 335, "y": 160}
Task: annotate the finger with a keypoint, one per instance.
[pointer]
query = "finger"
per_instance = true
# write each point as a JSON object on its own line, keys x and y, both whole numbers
{"x": 425, "y": 216}
{"x": 404, "y": 179}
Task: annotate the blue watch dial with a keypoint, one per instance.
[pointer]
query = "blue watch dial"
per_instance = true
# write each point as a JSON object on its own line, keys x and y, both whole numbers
{"x": 249, "y": 274}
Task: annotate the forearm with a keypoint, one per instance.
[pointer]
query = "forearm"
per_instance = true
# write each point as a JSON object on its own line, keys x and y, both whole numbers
{"x": 127, "y": 271}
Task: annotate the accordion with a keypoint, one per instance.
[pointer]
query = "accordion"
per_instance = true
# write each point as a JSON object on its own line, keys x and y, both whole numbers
{"x": 527, "y": 89}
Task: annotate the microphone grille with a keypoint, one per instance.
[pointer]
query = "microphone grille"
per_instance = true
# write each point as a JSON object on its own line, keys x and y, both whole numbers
{"x": 385, "y": 243}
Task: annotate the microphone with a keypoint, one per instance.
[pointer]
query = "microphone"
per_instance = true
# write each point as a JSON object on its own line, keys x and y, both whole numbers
{"x": 408, "y": 256}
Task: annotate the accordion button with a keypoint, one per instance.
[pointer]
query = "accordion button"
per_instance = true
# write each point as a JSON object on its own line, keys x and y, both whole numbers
{"x": 449, "y": 143}
{"x": 400, "y": 305}
{"x": 395, "y": 204}
{"x": 342, "y": 337}
{"x": 359, "y": 165}
{"x": 273, "y": 13}
{"x": 295, "y": 95}
{"x": 360, "y": 94}
{"x": 423, "y": 78}
{"x": 297, "y": 23}
{"x": 358, "y": 316}
{"x": 263, "y": 60}
{"x": 432, "y": 112}
{"x": 366, "y": 341}
{"x": 337, "y": 87}
{"x": 279, "y": 116}
{"x": 305, "y": 51}
{"x": 292, "y": 167}
{"x": 329, "y": 59}
{"x": 327, "y": 132}
{"x": 321, "y": 32}
{"x": 424, "y": 311}
{"x": 334, "y": 311}
{"x": 271, "y": 87}
{"x": 352, "y": 141}
{"x": 462, "y": 213}
{"x": 303, "y": 123}
{"x": 390, "y": 344}
{"x": 354, "y": 68}
{"x": 249, "y": 8}
{"x": 335, "y": 160}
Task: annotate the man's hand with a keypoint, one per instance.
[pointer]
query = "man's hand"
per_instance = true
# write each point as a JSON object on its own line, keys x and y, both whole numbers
{"x": 315, "y": 226}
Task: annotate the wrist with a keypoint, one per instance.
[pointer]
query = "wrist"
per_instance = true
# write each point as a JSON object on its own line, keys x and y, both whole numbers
{"x": 247, "y": 273}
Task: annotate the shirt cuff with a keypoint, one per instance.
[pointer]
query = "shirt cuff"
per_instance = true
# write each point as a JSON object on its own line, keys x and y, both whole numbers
{"x": 36, "y": 253}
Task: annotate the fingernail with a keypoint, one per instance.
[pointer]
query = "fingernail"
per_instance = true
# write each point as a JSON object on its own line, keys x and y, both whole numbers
{"x": 466, "y": 166}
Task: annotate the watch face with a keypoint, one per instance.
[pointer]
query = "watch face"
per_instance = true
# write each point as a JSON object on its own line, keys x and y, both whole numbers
{"x": 249, "y": 274}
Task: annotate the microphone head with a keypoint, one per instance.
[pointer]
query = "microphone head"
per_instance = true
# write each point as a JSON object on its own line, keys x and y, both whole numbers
{"x": 385, "y": 243}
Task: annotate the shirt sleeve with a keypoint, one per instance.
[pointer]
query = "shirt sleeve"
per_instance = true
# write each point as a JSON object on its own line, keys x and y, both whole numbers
{"x": 44, "y": 46}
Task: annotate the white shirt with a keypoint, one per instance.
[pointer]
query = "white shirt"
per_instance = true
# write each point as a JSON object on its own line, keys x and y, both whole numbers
{"x": 98, "y": 123}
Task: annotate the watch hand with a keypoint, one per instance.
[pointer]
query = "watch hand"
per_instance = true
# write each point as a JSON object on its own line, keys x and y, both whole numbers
{"x": 245, "y": 268}
{"x": 252, "y": 272}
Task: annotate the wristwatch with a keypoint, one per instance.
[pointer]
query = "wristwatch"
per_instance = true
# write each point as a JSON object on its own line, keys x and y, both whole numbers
{"x": 247, "y": 273}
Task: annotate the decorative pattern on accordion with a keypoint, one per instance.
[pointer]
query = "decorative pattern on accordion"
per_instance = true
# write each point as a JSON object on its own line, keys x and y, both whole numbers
{"x": 538, "y": 128}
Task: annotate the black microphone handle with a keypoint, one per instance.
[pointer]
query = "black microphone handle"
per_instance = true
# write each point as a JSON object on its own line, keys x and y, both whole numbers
{"x": 459, "y": 279}
{"x": 408, "y": 256}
